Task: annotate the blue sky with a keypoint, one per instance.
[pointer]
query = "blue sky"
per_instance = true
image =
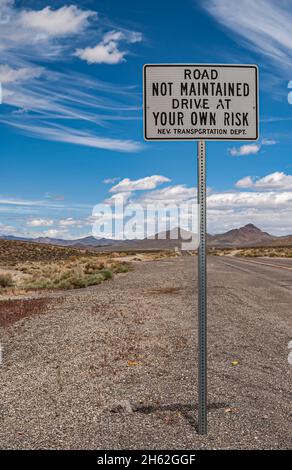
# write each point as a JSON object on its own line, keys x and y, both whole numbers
{"x": 71, "y": 117}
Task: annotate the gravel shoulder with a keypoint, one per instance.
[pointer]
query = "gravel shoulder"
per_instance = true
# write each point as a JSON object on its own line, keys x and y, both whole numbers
{"x": 115, "y": 366}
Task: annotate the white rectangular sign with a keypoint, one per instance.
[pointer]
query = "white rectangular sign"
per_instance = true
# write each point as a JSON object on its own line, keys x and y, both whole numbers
{"x": 190, "y": 101}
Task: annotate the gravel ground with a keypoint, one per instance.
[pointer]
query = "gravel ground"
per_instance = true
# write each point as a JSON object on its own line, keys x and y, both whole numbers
{"x": 115, "y": 366}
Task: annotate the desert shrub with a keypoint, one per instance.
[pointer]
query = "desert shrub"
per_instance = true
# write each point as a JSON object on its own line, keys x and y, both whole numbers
{"x": 39, "y": 284}
{"x": 6, "y": 280}
{"x": 63, "y": 284}
{"x": 70, "y": 279}
{"x": 94, "y": 279}
{"x": 92, "y": 267}
{"x": 77, "y": 282}
{"x": 106, "y": 273}
{"x": 120, "y": 267}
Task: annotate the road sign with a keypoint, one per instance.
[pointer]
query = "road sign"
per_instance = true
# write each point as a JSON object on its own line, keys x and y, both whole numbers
{"x": 200, "y": 101}
{"x": 203, "y": 102}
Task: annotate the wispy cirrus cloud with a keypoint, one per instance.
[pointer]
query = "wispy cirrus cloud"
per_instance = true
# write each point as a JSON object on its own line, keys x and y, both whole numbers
{"x": 263, "y": 26}
{"x": 73, "y": 136}
{"x": 15, "y": 75}
{"x": 37, "y": 97}
{"x": 111, "y": 180}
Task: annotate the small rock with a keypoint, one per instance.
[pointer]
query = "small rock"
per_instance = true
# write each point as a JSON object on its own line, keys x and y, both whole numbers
{"x": 124, "y": 406}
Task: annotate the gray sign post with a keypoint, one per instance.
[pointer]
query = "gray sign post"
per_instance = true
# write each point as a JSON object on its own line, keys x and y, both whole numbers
{"x": 201, "y": 102}
{"x": 202, "y": 290}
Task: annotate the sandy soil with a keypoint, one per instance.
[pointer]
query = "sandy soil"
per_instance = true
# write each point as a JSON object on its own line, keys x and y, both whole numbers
{"x": 115, "y": 366}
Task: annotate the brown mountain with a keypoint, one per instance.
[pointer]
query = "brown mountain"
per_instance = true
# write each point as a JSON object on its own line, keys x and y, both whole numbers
{"x": 77, "y": 243}
{"x": 247, "y": 236}
{"x": 166, "y": 240}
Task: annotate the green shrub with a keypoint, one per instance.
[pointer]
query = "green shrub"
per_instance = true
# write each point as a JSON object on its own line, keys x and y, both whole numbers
{"x": 63, "y": 284}
{"x": 77, "y": 282}
{"x": 106, "y": 273}
{"x": 121, "y": 268}
{"x": 94, "y": 279}
{"x": 39, "y": 284}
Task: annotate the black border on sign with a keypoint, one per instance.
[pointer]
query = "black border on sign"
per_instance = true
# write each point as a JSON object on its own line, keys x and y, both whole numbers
{"x": 203, "y": 138}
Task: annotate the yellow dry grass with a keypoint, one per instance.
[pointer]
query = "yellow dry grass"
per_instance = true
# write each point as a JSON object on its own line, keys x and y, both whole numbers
{"x": 270, "y": 252}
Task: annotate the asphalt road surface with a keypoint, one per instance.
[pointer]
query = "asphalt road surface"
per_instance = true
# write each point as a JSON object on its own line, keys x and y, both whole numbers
{"x": 115, "y": 366}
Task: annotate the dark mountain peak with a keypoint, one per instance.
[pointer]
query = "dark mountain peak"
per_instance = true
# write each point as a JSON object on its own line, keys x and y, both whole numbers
{"x": 249, "y": 235}
{"x": 251, "y": 227}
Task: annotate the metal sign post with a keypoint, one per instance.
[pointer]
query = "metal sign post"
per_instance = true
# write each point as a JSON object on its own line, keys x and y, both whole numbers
{"x": 202, "y": 290}
{"x": 201, "y": 102}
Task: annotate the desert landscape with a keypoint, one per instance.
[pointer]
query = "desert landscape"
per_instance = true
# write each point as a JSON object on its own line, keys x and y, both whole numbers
{"x": 99, "y": 348}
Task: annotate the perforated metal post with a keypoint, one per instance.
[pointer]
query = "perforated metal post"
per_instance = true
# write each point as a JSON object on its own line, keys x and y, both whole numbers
{"x": 202, "y": 289}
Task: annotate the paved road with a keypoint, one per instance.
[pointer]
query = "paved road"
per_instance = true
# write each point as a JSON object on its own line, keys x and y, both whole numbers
{"x": 275, "y": 270}
{"x": 71, "y": 374}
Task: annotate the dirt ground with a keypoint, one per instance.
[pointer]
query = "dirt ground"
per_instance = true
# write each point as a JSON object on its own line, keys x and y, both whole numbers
{"x": 114, "y": 366}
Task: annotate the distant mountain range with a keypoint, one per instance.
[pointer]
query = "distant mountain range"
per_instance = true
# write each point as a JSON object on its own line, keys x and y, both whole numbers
{"x": 247, "y": 236}
{"x": 77, "y": 243}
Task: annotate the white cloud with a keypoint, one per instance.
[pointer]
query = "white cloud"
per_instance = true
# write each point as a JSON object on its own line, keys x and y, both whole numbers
{"x": 264, "y": 25}
{"x": 245, "y": 182}
{"x": 271, "y": 211}
{"x": 269, "y": 142}
{"x": 7, "y": 229}
{"x": 72, "y": 136}
{"x": 20, "y": 202}
{"x": 275, "y": 222}
{"x": 273, "y": 181}
{"x": 170, "y": 195}
{"x": 243, "y": 150}
{"x": 149, "y": 182}
{"x": 250, "y": 149}
{"x": 70, "y": 222}
{"x": 55, "y": 233}
{"x": 118, "y": 198}
{"x": 107, "y": 51}
{"x": 31, "y": 36}
{"x": 39, "y": 222}
{"x": 101, "y": 54}
{"x": 111, "y": 180}
{"x": 66, "y": 20}
{"x": 271, "y": 199}
{"x": 10, "y": 75}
